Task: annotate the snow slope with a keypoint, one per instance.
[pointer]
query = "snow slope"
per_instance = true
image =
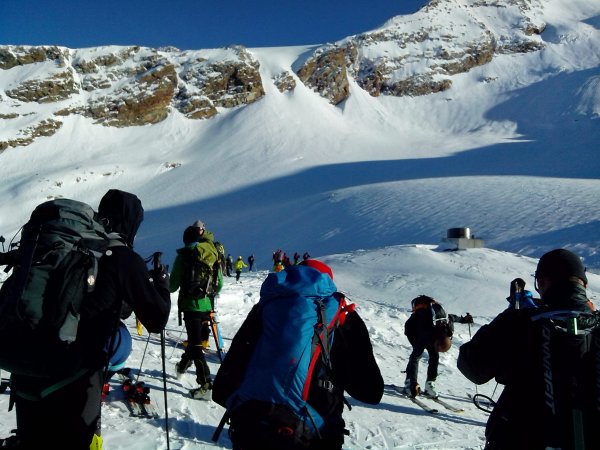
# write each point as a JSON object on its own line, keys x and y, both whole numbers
{"x": 372, "y": 186}
{"x": 382, "y": 283}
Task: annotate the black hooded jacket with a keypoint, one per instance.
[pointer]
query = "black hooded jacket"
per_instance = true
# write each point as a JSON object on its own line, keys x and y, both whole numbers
{"x": 123, "y": 284}
{"x": 511, "y": 350}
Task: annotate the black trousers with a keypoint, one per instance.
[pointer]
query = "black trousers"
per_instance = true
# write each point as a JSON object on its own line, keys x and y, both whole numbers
{"x": 197, "y": 326}
{"x": 69, "y": 416}
{"x": 412, "y": 368}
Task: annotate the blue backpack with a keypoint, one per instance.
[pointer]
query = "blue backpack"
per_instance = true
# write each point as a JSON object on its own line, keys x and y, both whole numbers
{"x": 295, "y": 322}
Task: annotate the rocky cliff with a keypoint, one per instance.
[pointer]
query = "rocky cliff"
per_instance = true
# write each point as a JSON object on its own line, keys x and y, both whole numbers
{"x": 134, "y": 86}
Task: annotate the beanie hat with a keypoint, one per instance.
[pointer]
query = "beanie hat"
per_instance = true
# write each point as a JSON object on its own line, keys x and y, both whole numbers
{"x": 561, "y": 263}
{"x": 318, "y": 265}
{"x": 198, "y": 224}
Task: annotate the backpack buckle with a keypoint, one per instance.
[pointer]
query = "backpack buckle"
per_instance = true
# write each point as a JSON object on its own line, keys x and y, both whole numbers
{"x": 326, "y": 384}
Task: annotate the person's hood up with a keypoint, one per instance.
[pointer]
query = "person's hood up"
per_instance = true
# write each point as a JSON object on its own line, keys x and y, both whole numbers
{"x": 121, "y": 212}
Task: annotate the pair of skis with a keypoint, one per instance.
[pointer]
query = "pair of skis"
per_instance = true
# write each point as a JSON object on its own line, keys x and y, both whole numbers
{"x": 138, "y": 399}
{"x": 423, "y": 405}
{"x": 137, "y": 396}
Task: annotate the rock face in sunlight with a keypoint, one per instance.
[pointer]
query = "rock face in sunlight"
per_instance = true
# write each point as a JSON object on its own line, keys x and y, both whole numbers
{"x": 121, "y": 86}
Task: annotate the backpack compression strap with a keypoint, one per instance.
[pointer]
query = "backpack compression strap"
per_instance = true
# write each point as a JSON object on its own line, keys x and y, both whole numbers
{"x": 322, "y": 342}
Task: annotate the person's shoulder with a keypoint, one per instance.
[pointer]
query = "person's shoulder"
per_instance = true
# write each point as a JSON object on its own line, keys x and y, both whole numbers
{"x": 122, "y": 258}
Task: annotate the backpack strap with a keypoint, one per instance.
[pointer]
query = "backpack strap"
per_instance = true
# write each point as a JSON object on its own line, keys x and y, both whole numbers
{"x": 321, "y": 343}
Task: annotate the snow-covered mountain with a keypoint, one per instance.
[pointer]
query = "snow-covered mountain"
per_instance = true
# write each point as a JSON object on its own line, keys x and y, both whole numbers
{"x": 467, "y": 113}
{"x": 255, "y": 142}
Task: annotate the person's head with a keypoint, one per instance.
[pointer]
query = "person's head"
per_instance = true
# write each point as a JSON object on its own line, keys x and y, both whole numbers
{"x": 421, "y": 301}
{"x": 318, "y": 265}
{"x": 121, "y": 212}
{"x": 559, "y": 266}
{"x": 190, "y": 235}
{"x": 198, "y": 225}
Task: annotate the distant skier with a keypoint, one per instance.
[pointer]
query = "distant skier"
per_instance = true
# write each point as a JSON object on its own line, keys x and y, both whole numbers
{"x": 250, "y": 262}
{"x": 239, "y": 266}
{"x": 228, "y": 265}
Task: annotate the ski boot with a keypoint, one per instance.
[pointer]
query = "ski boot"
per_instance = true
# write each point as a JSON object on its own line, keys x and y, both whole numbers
{"x": 430, "y": 389}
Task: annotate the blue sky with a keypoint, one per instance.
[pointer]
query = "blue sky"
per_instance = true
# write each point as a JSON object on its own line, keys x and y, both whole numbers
{"x": 191, "y": 24}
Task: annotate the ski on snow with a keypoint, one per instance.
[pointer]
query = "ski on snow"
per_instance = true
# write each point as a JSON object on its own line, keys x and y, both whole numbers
{"x": 417, "y": 401}
{"x": 421, "y": 404}
{"x": 445, "y": 404}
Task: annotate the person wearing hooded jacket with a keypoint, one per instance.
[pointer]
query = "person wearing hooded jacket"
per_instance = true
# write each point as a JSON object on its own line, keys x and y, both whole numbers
{"x": 70, "y": 409}
{"x": 196, "y": 307}
{"x": 250, "y": 386}
{"x": 517, "y": 349}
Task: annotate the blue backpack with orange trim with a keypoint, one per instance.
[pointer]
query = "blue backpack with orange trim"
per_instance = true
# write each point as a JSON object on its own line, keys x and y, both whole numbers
{"x": 293, "y": 328}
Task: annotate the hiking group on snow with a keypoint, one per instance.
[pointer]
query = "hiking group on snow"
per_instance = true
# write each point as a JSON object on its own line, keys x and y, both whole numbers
{"x": 303, "y": 346}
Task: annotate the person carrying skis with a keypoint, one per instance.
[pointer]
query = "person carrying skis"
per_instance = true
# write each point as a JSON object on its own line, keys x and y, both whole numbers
{"x": 548, "y": 360}
{"x": 197, "y": 275}
{"x": 428, "y": 328}
{"x": 300, "y": 348}
{"x": 69, "y": 409}
{"x": 239, "y": 266}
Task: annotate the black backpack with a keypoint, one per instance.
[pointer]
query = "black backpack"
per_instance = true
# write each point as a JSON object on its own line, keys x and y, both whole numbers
{"x": 443, "y": 325}
{"x": 54, "y": 269}
{"x": 569, "y": 385}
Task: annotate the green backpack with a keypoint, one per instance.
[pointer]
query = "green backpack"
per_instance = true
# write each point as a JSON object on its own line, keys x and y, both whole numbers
{"x": 55, "y": 268}
{"x": 199, "y": 275}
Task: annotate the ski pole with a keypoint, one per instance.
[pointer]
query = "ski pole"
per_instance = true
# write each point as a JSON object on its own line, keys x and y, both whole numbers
{"x": 177, "y": 344}
{"x": 143, "y": 356}
{"x": 471, "y": 337}
{"x": 164, "y": 368}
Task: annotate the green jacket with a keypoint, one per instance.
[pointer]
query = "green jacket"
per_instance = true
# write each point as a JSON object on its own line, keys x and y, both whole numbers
{"x": 185, "y": 301}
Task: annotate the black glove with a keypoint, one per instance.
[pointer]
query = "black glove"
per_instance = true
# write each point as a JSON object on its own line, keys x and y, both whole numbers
{"x": 467, "y": 318}
{"x": 160, "y": 276}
